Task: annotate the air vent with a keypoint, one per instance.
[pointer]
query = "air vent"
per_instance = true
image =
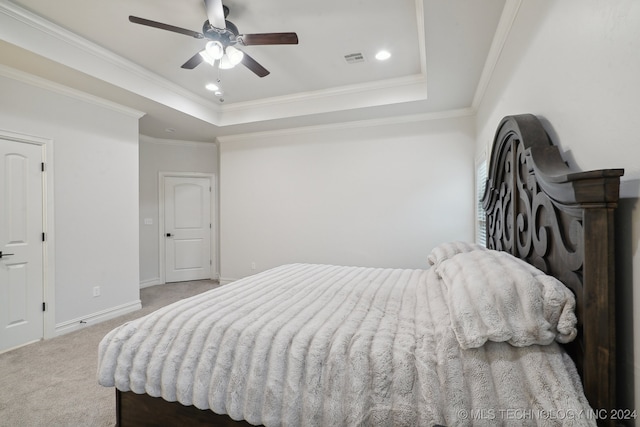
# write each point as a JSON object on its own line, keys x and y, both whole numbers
{"x": 354, "y": 58}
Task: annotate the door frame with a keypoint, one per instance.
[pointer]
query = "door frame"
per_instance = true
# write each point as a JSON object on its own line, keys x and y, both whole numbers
{"x": 48, "y": 253}
{"x": 214, "y": 220}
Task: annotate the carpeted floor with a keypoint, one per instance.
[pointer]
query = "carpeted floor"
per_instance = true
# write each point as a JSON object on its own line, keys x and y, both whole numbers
{"x": 53, "y": 382}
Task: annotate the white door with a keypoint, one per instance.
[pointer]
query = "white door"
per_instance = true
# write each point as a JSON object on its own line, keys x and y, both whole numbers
{"x": 187, "y": 226}
{"x": 21, "y": 227}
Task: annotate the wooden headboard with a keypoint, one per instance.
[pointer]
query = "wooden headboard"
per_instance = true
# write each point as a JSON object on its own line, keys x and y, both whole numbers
{"x": 561, "y": 221}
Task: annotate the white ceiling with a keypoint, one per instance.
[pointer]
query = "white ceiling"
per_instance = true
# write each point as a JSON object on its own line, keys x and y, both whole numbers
{"x": 439, "y": 50}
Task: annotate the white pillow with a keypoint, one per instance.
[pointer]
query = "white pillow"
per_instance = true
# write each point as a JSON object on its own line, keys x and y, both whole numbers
{"x": 448, "y": 249}
{"x": 493, "y": 296}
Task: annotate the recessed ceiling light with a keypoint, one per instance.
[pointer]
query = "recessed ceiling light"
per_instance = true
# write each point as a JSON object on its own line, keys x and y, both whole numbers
{"x": 212, "y": 87}
{"x": 383, "y": 55}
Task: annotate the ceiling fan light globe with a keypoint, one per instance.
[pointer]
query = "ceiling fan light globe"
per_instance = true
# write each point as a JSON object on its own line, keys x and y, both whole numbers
{"x": 235, "y": 56}
{"x": 225, "y": 63}
{"x": 214, "y": 49}
{"x": 207, "y": 58}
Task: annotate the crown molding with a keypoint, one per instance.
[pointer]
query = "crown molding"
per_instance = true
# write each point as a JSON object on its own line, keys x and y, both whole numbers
{"x": 507, "y": 19}
{"x": 393, "y": 91}
{"x": 41, "y": 83}
{"x": 421, "y": 37}
{"x": 176, "y": 142}
{"x": 357, "y": 89}
{"x": 395, "y": 120}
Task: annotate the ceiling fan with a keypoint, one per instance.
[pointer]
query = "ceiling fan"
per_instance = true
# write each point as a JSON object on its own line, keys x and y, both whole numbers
{"x": 223, "y": 36}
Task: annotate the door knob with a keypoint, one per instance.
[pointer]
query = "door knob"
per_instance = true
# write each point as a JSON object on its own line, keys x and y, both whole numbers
{"x": 1, "y": 254}
{"x": 169, "y": 234}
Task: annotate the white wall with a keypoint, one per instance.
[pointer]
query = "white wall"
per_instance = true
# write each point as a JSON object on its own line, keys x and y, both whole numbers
{"x": 576, "y": 64}
{"x": 157, "y": 156}
{"x": 95, "y": 164}
{"x": 374, "y": 195}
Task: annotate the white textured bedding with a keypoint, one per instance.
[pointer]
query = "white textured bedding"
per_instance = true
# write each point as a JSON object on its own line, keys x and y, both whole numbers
{"x": 322, "y": 345}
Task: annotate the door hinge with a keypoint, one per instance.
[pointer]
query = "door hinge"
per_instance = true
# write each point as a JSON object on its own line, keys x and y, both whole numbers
{"x": 210, "y": 262}
{"x": 44, "y": 306}
{"x": 42, "y": 166}
{"x": 44, "y": 237}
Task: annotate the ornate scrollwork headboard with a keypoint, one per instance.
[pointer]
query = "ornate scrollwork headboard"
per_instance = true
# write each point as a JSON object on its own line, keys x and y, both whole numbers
{"x": 561, "y": 221}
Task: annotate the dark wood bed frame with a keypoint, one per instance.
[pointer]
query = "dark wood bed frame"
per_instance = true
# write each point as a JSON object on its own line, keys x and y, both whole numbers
{"x": 562, "y": 221}
{"x": 538, "y": 209}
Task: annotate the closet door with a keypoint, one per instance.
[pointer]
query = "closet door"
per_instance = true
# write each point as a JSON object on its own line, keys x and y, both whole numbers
{"x": 187, "y": 204}
{"x": 21, "y": 247}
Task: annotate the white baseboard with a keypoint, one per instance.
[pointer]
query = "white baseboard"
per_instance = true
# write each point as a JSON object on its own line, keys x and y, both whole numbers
{"x": 151, "y": 282}
{"x": 226, "y": 280}
{"x": 18, "y": 346}
{"x": 100, "y": 316}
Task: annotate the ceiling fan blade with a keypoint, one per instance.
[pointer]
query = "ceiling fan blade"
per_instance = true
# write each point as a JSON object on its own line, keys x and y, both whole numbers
{"x": 160, "y": 25}
{"x": 253, "y": 65}
{"x": 215, "y": 13}
{"x": 193, "y": 62}
{"x": 268, "y": 38}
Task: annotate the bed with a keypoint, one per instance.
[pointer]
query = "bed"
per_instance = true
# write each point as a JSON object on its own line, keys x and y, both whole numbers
{"x": 518, "y": 333}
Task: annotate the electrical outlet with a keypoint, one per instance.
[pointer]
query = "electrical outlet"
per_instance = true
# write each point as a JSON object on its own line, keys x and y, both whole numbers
{"x": 96, "y": 291}
{"x": 253, "y": 265}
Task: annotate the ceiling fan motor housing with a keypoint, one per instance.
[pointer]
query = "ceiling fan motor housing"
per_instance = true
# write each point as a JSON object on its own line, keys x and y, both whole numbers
{"x": 226, "y": 36}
